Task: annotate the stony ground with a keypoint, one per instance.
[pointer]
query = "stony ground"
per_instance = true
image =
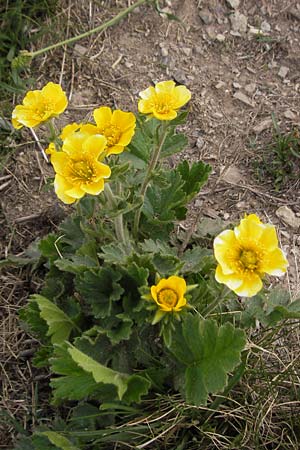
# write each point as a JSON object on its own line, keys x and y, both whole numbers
{"x": 239, "y": 58}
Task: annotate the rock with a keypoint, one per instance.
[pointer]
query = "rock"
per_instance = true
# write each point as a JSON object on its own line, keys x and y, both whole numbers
{"x": 244, "y": 99}
{"x": 220, "y": 38}
{"x": 206, "y": 16}
{"x": 283, "y": 71}
{"x": 254, "y": 31}
{"x": 232, "y": 175}
{"x": 211, "y": 33}
{"x": 236, "y": 85}
{"x": 220, "y": 85}
{"x": 262, "y": 126}
{"x": 200, "y": 143}
{"x": 242, "y": 205}
{"x": 265, "y": 27}
{"x": 179, "y": 76}
{"x": 294, "y": 12}
{"x": 234, "y": 4}
{"x": 238, "y": 22}
{"x": 163, "y": 50}
{"x": 288, "y": 216}
{"x": 250, "y": 88}
{"x": 80, "y": 50}
{"x": 187, "y": 51}
{"x": 288, "y": 114}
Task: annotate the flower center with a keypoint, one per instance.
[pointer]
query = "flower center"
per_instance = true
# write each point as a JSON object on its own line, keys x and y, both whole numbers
{"x": 112, "y": 134}
{"x": 167, "y": 297}
{"x": 82, "y": 171}
{"x": 163, "y": 104}
{"x": 249, "y": 259}
{"x": 43, "y": 108}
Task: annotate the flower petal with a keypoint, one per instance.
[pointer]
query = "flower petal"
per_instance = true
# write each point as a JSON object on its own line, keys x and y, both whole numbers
{"x": 55, "y": 97}
{"x": 102, "y": 116}
{"x": 226, "y": 250}
{"x": 69, "y": 129}
{"x": 102, "y": 170}
{"x": 148, "y": 93}
{"x": 60, "y": 187}
{"x": 94, "y": 145}
{"x": 250, "y": 287}
{"x": 75, "y": 192}
{"x": 59, "y": 161}
{"x": 269, "y": 237}
{"x": 249, "y": 228}
{"x": 274, "y": 263}
{"x": 165, "y": 87}
{"x": 181, "y": 96}
{"x": 93, "y": 188}
{"x": 233, "y": 281}
{"x": 123, "y": 120}
{"x": 145, "y": 106}
{"x": 170, "y": 115}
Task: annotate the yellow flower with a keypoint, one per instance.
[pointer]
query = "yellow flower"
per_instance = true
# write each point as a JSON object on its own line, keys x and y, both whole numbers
{"x": 87, "y": 128}
{"x": 78, "y": 171}
{"x": 163, "y": 100}
{"x": 246, "y": 253}
{"x": 117, "y": 126}
{"x": 39, "y": 106}
{"x": 51, "y": 149}
{"x": 169, "y": 293}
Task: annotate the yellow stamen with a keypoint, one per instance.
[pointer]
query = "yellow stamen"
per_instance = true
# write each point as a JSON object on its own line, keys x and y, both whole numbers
{"x": 167, "y": 297}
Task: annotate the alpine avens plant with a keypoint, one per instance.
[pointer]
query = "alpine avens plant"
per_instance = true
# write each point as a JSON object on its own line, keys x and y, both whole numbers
{"x": 130, "y": 309}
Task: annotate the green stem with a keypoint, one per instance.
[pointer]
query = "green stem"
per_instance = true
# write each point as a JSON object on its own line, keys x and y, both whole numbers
{"x": 153, "y": 162}
{"x": 119, "y": 225}
{"x": 102, "y": 27}
{"x": 53, "y": 132}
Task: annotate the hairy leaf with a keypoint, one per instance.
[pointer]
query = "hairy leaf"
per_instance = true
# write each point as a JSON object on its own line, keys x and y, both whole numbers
{"x": 194, "y": 177}
{"x": 59, "y": 324}
{"x": 100, "y": 289}
{"x": 210, "y": 352}
{"x": 57, "y": 439}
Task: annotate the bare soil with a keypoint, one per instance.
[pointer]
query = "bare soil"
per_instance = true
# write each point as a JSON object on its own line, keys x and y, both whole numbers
{"x": 237, "y": 79}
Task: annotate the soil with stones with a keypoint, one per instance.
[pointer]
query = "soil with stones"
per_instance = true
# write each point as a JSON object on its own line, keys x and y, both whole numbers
{"x": 240, "y": 59}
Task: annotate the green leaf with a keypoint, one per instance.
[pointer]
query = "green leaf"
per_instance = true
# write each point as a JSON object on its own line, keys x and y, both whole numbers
{"x": 173, "y": 144}
{"x": 57, "y": 439}
{"x": 134, "y": 385}
{"x": 59, "y": 324}
{"x": 115, "y": 253}
{"x": 48, "y": 248}
{"x": 101, "y": 373}
{"x": 210, "y": 352}
{"x": 75, "y": 383}
{"x": 194, "y": 177}
{"x": 162, "y": 203}
{"x": 196, "y": 259}
{"x": 100, "y": 289}
{"x": 77, "y": 264}
{"x": 166, "y": 264}
{"x": 30, "y": 314}
{"x": 157, "y": 246}
{"x": 72, "y": 233}
{"x": 270, "y": 308}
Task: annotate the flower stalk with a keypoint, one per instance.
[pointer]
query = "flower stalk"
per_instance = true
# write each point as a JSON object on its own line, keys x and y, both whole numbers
{"x": 153, "y": 163}
{"x": 102, "y": 27}
{"x": 119, "y": 225}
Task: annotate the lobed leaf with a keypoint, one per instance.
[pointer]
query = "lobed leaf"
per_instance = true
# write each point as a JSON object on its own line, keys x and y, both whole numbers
{"x": 59, "y": 324}
{"x": 209, "y": 353}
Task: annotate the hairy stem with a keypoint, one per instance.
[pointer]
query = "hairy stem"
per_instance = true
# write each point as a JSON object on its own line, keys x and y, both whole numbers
{"x": 153, "y": 162}
{"x": 119, "y": 225}
{"x": 102, "y": 27}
